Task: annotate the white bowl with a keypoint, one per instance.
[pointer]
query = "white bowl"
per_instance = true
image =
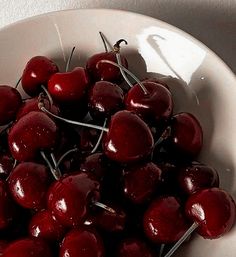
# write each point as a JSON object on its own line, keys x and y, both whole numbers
{"x": 200, "y": 81}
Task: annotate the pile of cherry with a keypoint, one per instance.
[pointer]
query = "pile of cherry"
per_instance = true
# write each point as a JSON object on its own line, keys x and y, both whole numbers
{"x": 124, "y": 184}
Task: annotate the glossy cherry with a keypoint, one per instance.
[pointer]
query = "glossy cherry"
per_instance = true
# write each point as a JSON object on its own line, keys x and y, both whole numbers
{"x": 70, "y": 197}
{"x": 105, "y": 98}
{"x": 213, "y": 210}
{"x": 32, "y": 133}
{"x": 141, "y": 181}
{"x": 10, "y": 102}
{"x": 82, "y": 243}
{"x": 30, "y": 105}
{"x": 104, "y": 71}
{"x": 134, "y": 247}
{"x": 28, "y": 184}
{"x": 37, "y": 72}
{"x": 156, "y": 105}
{"x": 7, "y": 206}
{"x": 6, "y": 165}
{"x": 28, "y": 247}
{"x": 197, "y": 176}
{"x": 164, "y": 221}
{"x": 43, "y": 225}
{"x": 69, "y": 87}
{"x": 186, "y": 135}
{"x": 128, "y": 138}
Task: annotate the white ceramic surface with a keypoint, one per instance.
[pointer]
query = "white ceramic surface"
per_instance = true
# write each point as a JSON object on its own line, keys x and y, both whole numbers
{"x": 201, "y": 83}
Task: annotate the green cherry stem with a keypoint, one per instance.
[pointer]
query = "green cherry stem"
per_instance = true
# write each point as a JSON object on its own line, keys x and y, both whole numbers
{"x": 54, "y": 172}
{"x": 69, "y": 59}
{"x": 100, "y": 138}
{"x": 18, "y": 83}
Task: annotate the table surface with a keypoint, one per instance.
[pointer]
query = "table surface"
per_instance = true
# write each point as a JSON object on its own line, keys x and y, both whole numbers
{"x": 211, "y": 21}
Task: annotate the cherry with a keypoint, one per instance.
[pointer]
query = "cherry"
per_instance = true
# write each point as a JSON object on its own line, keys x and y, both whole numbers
{"x": 164, "y": 221}
{"x": 156, "y": 105}
{"x": 95, "y": 164}
{"x": 28, "y": 184}
{"x": 105, "y": 98}
{"x": 186, "y": 135}
{"x": 134, "y": 247}
{"x": 105, "y": 71}
{"x": 32, "y": 133}
{"x": 43, "y": 225}
{"x": 128, "y": 138}
{"x": 70, "y": 197}
{"x": 141, "y": 181}
{"x": 7, "y": 206}
{"x": 69, "y": 87}
{"x": 6, "y": 165}
{"x": 28, "y": 247}
{"x": 197, "y": 176}
{"x": 82, "y": 243}
{"x": 213, "y": 210}
{"x": 37, "y": 72}
{"x": 10, "y": 102}
{"x": 32, "y": 105}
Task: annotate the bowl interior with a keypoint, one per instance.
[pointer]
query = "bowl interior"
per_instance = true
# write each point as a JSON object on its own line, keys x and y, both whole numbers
{"x": 200, "y": 82}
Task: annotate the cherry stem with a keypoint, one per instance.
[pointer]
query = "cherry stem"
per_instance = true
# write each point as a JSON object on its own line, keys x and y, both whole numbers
{"x": 103, "y": 40}
{"x": 53, "y": 171}
{"x": 122, "y": 72}
{"x": 116, "y": 47}
{"x": 14, "y": 164}
{"x": 18, "y": 83}
{"x": 103, "y": 206}
{"x": 57, "y": 170}
{"x": 64, "y": 156}
{"x": 42, "y": 108}
{"x": 100, "y": 138}
{"x": 163, "y": 136}
{"x": 69, "y": 59}
{"x": 48, "y": 95}
{"x": 128, "y": 72}
{"x": 181, "y": 240}
{"x": 161, "y": 250}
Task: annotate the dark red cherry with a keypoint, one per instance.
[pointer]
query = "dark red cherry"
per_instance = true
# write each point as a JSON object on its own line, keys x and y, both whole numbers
{"x": 164, "y": 222}
{"x": 7, "y": 206}
{"x": 128, "y": 138}
{"x": 6, "y": 165}
{"x": 69, "y": 87}
{"x": 43, "y": 225}
{"x": 197, "y": 176}
{"x": 213, "y": 210}
{"x": 82, "y": 243}
{"x": 134, "y": 247}
{"x": 28, "y": 247}
{"x": 104, "y": 71}
{"x": 32, "y": 105}
{"x": 28, "y": 184}
{"x": 10, "y": 102}
{"x": 141, "y": 181}
{"x": 70, "y": 197}
{"x": 156, "y": 106}
{"x": 32, "y": 133}
{"x": 105, "y": 98}
{"x": 186, "y": 135}
{"x": 110, "y": 221}
{"x": 95, "y": 164}
{"x": 37, "y": 72}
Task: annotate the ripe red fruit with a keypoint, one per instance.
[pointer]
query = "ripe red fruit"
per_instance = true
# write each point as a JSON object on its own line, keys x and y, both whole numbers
{"x": 128, "y": 138}
{"x": 10, "y": 102}
{"x": 28, "y": 184}
{"x": 164, "y": 222}
{"x": 32, "y": 133}
{"x": 70, "y": 197}
{"x": 213, "y": 210}
{"x": 44, "y": 225}
{"x": 28, "y": 247}
{"x": 69, "y": 87}
{"x": 82, "y": 243}
{"x": 37, "y": 72}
